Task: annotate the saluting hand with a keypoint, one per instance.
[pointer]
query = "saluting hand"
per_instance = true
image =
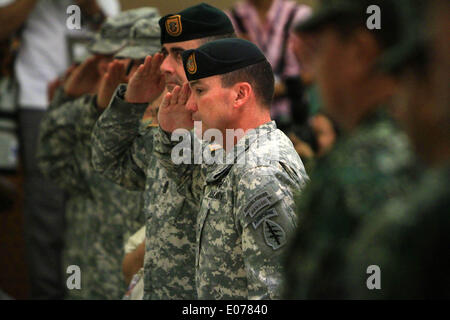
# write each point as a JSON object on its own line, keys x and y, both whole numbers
{"x": 83, "y": 79}
{"x": 172, "y": 113}
{"x": 110, "y": 80}
{"x": 147, "y": 83}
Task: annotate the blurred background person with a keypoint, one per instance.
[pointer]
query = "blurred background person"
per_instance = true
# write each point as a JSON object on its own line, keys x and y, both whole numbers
{"x": 100, "y": 214}
{"x": 268, "y": 24}
{"x": 371, "y": 161}
{"x": 41, "y": 57}
{"x": 322, "y": 130}
{"x": 410, "y": 238}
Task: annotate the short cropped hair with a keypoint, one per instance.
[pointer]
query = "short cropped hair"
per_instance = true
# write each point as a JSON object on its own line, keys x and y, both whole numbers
{"x": 259, "y": 76}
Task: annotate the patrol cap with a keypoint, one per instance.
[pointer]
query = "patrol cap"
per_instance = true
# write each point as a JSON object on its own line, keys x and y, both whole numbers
{"x": 219, "y": 57}
{"x": 143, "y": 40}
{"x": 411, "y": 46}
{"x": 195, "y": 22}
{"x": 114, "y": 32}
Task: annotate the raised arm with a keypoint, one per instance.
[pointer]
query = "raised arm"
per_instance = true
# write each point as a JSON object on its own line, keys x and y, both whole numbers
{"x": 265, "y": 212}
{"x": 13, "y": 16}
{"x": 119, "y": 151}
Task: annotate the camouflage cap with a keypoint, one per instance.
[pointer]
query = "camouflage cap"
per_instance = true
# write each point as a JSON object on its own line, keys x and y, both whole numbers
{"x": 115, "y": 31}
{"x": 412, "y": 41}
{"x": 143, "y": 40}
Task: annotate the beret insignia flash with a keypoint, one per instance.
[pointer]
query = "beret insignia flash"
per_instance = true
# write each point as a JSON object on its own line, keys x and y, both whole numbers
{"x": 191, "y": 65}
{"x": 173, "y": 25}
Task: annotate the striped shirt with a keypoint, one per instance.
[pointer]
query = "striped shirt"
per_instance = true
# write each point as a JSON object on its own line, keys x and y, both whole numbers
{"x": 271, "y": 36}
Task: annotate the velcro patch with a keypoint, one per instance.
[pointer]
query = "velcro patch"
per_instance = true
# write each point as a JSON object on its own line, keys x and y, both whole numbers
{"x": 259, "y": 202}
{"x": 274, "y": 234}
{"x": 263, "y": 216}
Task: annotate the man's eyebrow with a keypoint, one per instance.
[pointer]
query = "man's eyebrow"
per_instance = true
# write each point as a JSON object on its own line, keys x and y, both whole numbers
{"x": 193, "y": 83}
{"x": 176, "y": 49}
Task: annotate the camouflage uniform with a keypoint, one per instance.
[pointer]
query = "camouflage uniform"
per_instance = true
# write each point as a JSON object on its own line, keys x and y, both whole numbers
{"x": 124, "y": 156}
{"x": 100, "y": 215}
{"x": 409, "y": 241}
{"x": 362, "y": 172}
{"x": 246, "y": 213}
{"x": 122, "y": 150}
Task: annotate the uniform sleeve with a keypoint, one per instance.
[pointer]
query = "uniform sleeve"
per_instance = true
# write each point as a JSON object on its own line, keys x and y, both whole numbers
{"x": 265, "y": 213}
{"x": 62, "y": 130}
{"x": 119, "y": 151}
{"x": 176, "y": 154}
{"x": 59, "y": 99}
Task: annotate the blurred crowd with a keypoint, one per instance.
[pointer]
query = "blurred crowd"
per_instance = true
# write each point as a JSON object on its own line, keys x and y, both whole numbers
{"x": 366, "y": 108}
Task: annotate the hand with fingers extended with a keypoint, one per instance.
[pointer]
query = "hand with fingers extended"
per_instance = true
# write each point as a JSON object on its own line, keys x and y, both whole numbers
{"x": 172, "y": 112}
{"x": 83, "y": 79}
{"x": 110, "y": 80}
{"x": 147, "y": 83}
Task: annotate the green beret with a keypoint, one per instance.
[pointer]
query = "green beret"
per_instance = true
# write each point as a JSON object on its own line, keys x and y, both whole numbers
{"x": 114, "y": 32}
{"x": 195, "y": 22}
{"x": 143, "y": 40}
{"x": 219, "y": 57}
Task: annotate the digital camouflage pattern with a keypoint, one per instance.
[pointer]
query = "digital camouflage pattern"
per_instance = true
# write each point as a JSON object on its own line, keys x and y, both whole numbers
{"x": 114, "y": 32}
{"x": 143, "y": 40}
{"x": 366, "y": 168}
{"x": 408, "y": 240}
{"x": 123, "y": 151}
{"x": 246, "y": 213}
{"x": 99, "y": 214}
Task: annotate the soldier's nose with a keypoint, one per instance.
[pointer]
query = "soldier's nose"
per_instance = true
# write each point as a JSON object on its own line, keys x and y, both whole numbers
{"x": 191, "y": 105}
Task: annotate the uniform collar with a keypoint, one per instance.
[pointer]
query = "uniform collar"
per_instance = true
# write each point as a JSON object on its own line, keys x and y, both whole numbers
{"x": 239, "y": 150}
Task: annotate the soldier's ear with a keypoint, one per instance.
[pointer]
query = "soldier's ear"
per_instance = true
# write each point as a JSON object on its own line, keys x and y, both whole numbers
{"x": 242, "y": 94}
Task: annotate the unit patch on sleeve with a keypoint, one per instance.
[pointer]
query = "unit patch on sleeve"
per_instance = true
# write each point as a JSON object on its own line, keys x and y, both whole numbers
{"x": 259, "y": 202}
{"x": 274, "y": 234}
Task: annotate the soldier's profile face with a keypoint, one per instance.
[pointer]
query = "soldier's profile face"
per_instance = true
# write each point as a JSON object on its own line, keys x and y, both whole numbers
{"x": 211, "y": 104}
{"x": 172, "y": 66}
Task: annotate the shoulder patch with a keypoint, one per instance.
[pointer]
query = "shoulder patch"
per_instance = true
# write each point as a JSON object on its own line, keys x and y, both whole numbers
{"x": 263, "y": 216}
{"x": 260, "y": 201}
{"x": 274, "y": 234}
